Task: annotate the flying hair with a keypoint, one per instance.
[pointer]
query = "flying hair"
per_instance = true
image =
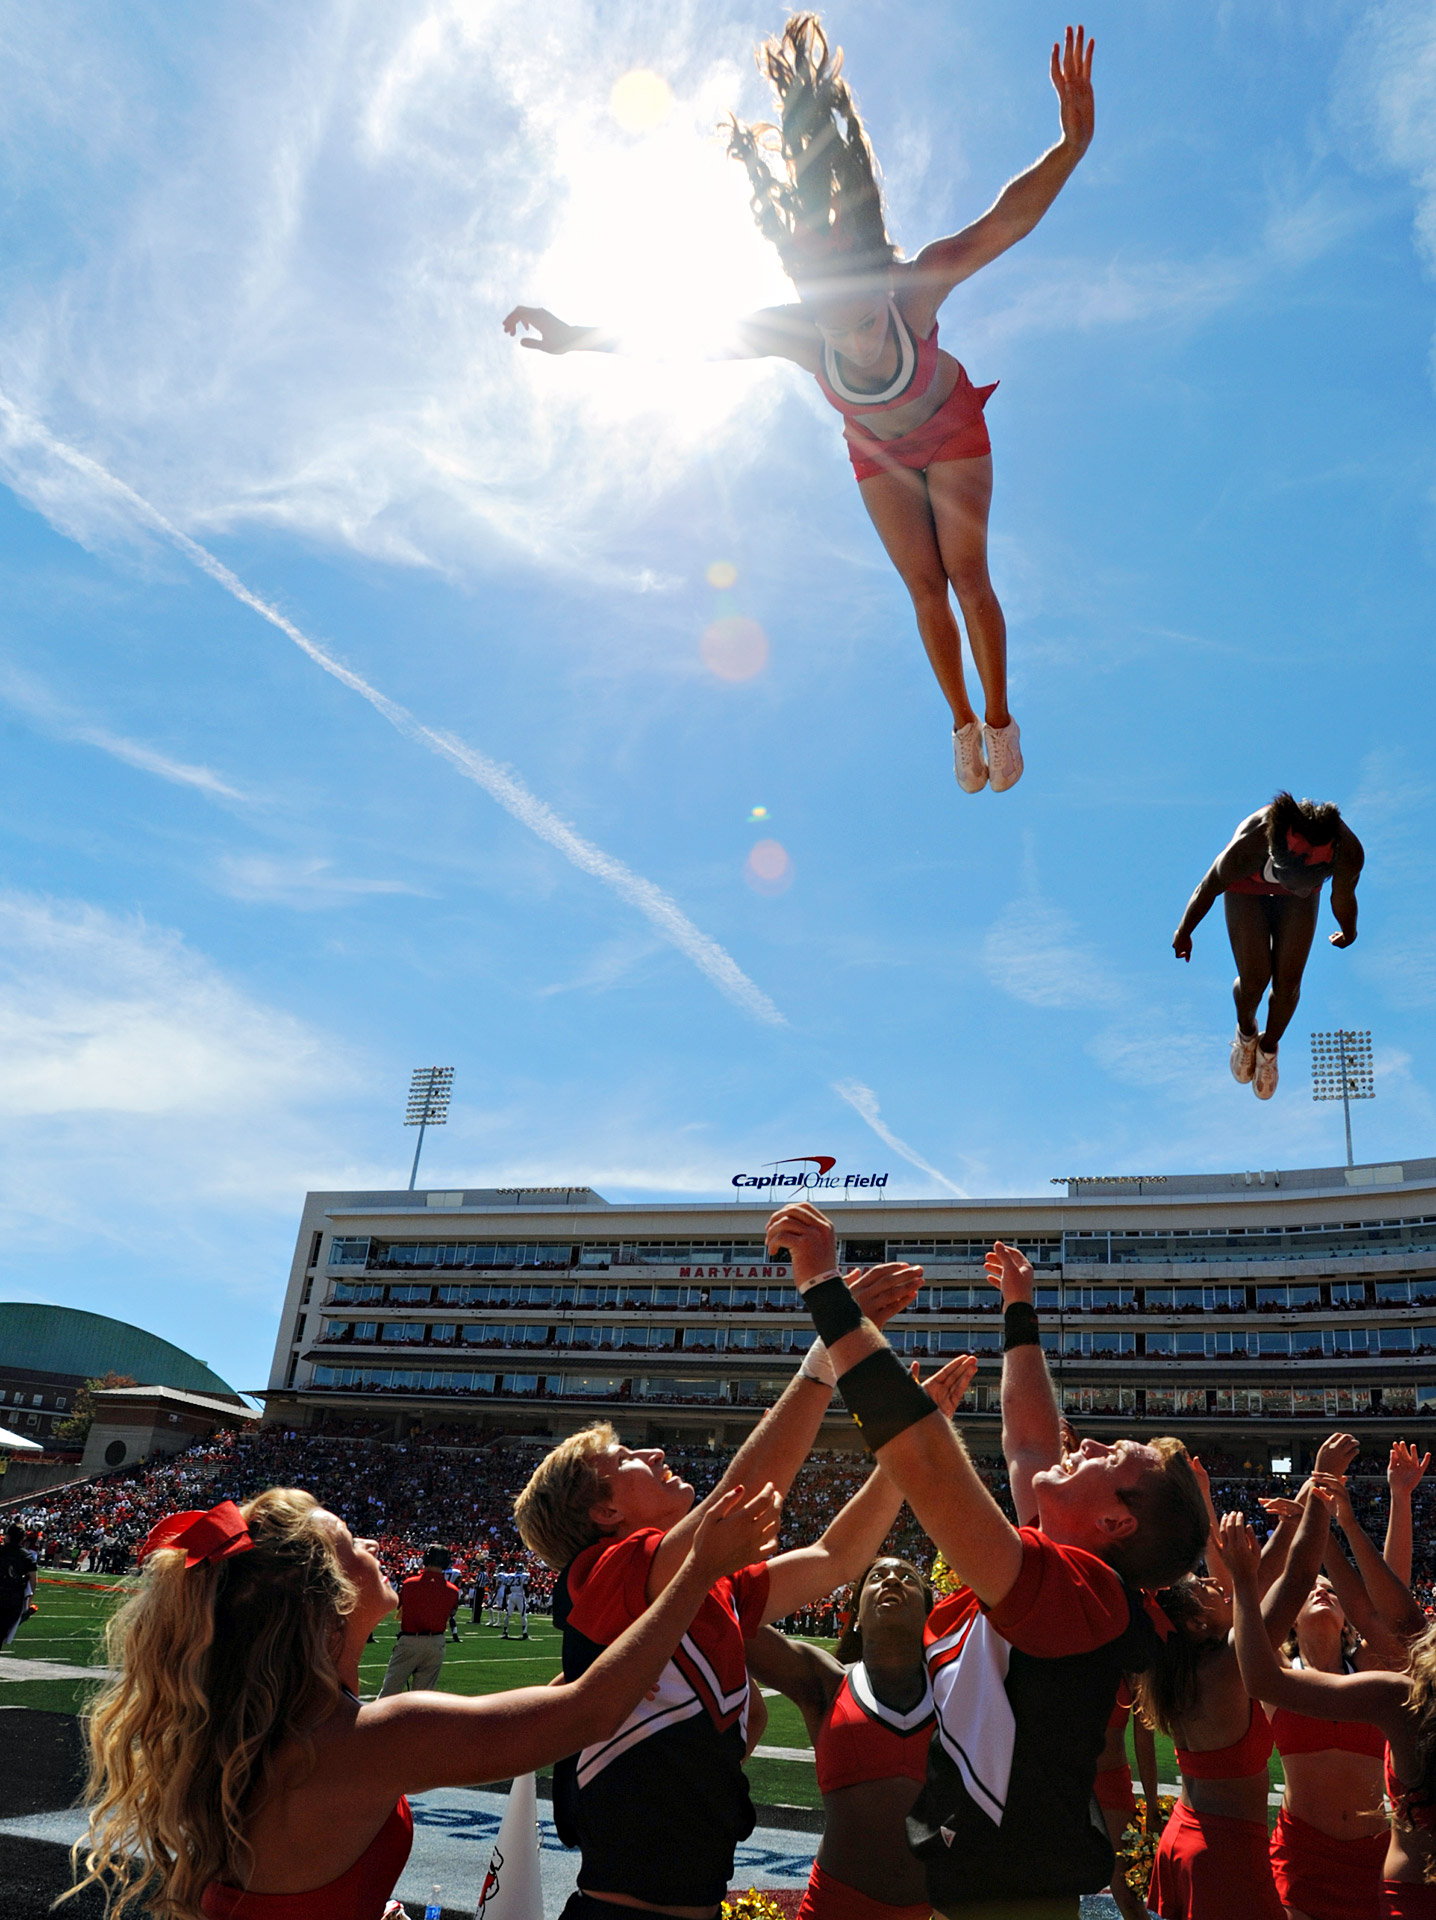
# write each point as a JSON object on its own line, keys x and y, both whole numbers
{"x": 1317, "y": 821}
{"x": 820, "y": 205}
{"x": 1420, "y": 1797}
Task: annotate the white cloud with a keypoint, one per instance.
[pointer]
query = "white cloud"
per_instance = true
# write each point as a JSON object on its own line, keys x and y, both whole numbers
{"x": 864, "y": 1102}
{"x": 1037, "y": 954}
{"x": 102, "y": 1015}
{"x": 25, "y": 695}
{"x": 282, "y": 304}
{"x": 306, "y": 884}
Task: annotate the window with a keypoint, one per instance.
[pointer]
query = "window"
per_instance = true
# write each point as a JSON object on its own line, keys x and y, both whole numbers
{"x": 349, "y": 1253}
{"x": 348, "y": 1293}
{"x": 1165, "y": 1343}
{"x": 402, "y": 1330}
{"x": 1286, "y": 1298}
{"x": 1335, "y": 1340}
{"x": 1348, "y": 1293}
{"x": 708, "y": 1339}
{"x": 60, "y": 1401}
{"x": 442, "y": 1333}
{"x": 316, "y": 1240}
{"x": 1393, "y": 1293}
{"x": 410, "y": 1296}
{"x": 1397, "y": 1340}
{"x": 1275, "y": 1343}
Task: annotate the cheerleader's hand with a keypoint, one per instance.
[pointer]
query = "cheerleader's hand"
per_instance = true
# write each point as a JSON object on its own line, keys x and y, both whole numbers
{"x": 554, "y": 335}
{"x": 1072, "y": 77}
{"x": 948, "y": 1385}
{"x": 1241, "y": 1552}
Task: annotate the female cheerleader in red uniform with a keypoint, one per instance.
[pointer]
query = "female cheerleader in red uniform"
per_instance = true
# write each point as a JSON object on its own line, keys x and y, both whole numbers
{"x": 1401, "y": 1705}
{"x": 1213, "y": 1861}
{"x": 871, "y": 1725}
{"x": 233, "y": 1770}
{"x": 865, "y": 326}
{"x": 1112, "y": 1790}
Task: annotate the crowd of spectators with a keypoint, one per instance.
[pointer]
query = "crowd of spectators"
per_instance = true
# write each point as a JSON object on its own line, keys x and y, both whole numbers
{"x": 441, "y": 1486}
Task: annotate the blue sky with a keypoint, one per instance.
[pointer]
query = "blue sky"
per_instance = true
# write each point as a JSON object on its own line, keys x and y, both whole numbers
{"x": 250, "y": 346}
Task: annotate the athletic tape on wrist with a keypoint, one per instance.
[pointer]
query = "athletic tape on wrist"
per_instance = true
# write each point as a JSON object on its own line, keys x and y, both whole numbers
{"x": 834, "y": 1310}
{"x": 883, "y": 1398}
{"x": 1019, "y": 1326}
{"x": 818, "y": 1365}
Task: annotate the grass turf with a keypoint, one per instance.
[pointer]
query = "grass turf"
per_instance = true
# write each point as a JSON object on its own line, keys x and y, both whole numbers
{"x": 74, "y": 1607}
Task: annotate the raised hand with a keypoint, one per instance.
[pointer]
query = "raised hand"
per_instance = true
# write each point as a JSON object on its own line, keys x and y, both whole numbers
{"x": 554, "y": 335}
{"x": 948, "y": 1385}
{"x": 1182, "y": 944}
{"x": 1341, "y": 939}
{"x": 1336, "y": 1453}
{"x": 1404, "y": 1469}
{"x": 883, "y": 1291}
{"x": 1240, "y": 1551}
{"x": 810, "y": 1238}
{"x": 1282, "y": 1508}
{"x": 1072, "y": 77}
{"x": 736, "y": 1531}
{"x": 1010, "y": 1272}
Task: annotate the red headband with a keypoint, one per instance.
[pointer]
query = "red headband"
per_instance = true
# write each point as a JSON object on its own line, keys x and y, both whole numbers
{"x": 203, "y": 1537}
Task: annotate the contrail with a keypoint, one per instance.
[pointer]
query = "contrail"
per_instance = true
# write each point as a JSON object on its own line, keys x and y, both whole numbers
{"x": 864, "y": 1103}
{"x": 506, "y": 788}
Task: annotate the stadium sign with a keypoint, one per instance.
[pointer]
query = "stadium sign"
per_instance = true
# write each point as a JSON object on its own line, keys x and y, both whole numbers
{"x": 818, "y": 1177}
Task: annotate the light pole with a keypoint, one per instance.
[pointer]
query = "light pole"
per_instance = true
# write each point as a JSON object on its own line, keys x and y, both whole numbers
{"x": 1341, "y": 1070}
{"x": 429, "y": 1089}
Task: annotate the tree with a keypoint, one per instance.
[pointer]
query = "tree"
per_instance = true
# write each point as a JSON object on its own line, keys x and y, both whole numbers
{"x": 75, "y": 1427}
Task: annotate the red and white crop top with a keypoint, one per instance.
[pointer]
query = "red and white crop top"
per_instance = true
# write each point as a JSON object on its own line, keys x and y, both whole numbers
{"x": 916, "y": 371}
{"x": 1239, "y": 1761}
{"x": 863, "y": 1739}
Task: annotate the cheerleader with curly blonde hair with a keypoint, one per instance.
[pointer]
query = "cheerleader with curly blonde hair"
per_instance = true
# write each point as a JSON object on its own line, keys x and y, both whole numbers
{"x": 234, "y": 1772}
{"x": 865, "y": 325}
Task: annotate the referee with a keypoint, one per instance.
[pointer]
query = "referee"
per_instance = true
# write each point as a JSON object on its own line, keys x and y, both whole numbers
{"x": 426, "y": 1604}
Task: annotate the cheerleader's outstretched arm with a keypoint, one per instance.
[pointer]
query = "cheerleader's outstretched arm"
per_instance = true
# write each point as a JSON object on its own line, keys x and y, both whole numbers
{"x": 943, "y": 264}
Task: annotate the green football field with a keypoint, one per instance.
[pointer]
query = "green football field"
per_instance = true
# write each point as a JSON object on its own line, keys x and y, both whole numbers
{"x": 69, "y": 1628}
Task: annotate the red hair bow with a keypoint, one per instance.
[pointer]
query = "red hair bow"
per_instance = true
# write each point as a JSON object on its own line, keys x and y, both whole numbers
{"x": 1156, "y": 1613}
{"x": 203, "y": 1537}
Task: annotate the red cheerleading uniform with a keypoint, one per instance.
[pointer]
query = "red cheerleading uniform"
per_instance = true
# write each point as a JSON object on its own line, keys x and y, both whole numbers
{"x": 360, "y": 1894}
{"x": 1023, "y": 1693}
{"x": 864, "y": 1739}
{"x": 957, "y": 431}
{"x": 1208, "y": 1865}
{"x": 1323, "y": 1877}
{"x": 1407, "y": 1899}
{"x": 659, "y": 1807}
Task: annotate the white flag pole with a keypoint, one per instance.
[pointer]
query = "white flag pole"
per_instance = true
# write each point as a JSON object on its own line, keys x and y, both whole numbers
{"x": 513, "y": 1885}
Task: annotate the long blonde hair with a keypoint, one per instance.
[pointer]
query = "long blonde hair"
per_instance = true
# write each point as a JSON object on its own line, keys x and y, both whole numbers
{"x": 822, "y": 209}
{"x": 218, "y": 1667}
{"x": 1420, "y": 1796}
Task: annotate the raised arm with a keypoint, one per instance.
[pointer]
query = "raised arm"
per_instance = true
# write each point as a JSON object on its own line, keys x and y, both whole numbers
{"x": 808, "y": 1675}
{"x": 1404, "y": 1471}
{"x": 422, "y": 1740}
{"x": 1022, "y": 202}
{"x": 1283, "y": 1601}
{"x": 855, "y": 1538}
{"x": 1350, "y": 859}
{"x": 1031, "y": 1423}
{"x": 920, "y": 1452}
{"x": 1377, "y": 1697}
{"x": 782, "y": 333}
{"x": 1390, "y": 1596}
{"x": 1238, "y": 860}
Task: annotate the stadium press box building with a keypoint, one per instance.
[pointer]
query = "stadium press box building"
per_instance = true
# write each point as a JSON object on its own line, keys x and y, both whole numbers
{"x": 1251, "y": 1312}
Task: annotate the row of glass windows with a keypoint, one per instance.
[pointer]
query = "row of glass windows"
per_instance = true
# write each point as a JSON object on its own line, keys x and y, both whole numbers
{"x": 1097, "y": 1344}
{"x": 637, "y": 1297}
{"x": 1327, "y": 1403}
{"x": 1116, "y": 1248}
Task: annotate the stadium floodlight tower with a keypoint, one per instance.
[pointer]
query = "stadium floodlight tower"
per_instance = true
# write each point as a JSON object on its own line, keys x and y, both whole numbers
{"x": 1341, "y": 1070}
{"x": 429, "y": 1090}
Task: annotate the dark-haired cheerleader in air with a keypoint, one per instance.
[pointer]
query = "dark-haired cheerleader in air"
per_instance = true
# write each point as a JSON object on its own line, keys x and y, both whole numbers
{"x": 865, "y": 325}
{"x": 1272, "y": 874}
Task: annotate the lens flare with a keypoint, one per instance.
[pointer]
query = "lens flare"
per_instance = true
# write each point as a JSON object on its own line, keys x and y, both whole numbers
{"x": 768, "y": 868}
{"x": 640, "y": 100}
{"x": 722, "y": 574}
{"x": 758, "y": 813}
{"x": 735, "y": 648}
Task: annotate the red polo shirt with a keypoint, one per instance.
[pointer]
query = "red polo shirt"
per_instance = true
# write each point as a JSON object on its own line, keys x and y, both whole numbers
{"x": 426, "y": 1600}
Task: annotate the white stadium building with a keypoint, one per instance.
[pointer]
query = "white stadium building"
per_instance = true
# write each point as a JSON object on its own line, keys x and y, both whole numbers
{"x": 1250, "y": 1312}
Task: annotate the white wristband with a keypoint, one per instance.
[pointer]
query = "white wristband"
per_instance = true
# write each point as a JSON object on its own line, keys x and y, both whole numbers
{"x": 818, "y": 1365}
{"x": 833, "y": 1273}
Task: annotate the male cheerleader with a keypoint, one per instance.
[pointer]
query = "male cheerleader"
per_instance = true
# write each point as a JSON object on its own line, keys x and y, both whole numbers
{"x": 659, "y": 1808}
{"x": 1026, "y": 1658}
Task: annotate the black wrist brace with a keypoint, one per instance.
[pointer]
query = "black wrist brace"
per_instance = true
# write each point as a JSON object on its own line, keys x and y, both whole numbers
{"x": 1019, "y": 1326}
{"x": 834, "y": 1310}
{"x": 883, "y": 1398}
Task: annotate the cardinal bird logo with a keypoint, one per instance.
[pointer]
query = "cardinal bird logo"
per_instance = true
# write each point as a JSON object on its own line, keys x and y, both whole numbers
{"x": 824, "y": 1162}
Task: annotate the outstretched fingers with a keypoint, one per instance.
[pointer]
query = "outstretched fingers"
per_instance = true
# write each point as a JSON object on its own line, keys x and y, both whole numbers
{"x": 948, "y": 1386}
